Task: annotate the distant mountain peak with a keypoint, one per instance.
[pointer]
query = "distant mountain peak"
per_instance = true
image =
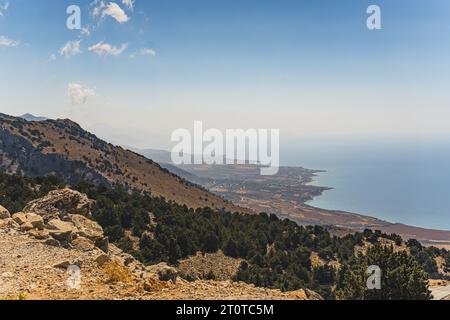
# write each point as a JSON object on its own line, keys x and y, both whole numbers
{"x": 29, "y": 117}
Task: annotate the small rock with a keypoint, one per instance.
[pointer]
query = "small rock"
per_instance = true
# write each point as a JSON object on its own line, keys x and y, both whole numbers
{"x": 66, "y": 264}
{"x": 35, "y": 220}
{"x": 164, "y": 272}
{"x": 13, "y": 224}
{"x": 127, "y": 259}
{"x": 62, "y": 265}
{"x": 20, "y": 218}
{"x": 27, "y": 226}
{"x": 4, "y": 213}
{"x": 153, "y": 284}
{"x": 83, "y": 244}
{"x": 103, "y": 244}
{"x": 39, "y": 234}
{"x": 7, "y": 275}
{"x": 102, "y": 260}
{"x": 5, "y": 222}
{"x": 52, "y": 242}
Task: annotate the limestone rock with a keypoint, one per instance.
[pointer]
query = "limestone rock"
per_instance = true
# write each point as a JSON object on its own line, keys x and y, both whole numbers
{"x": 154, "y": 285}
{"x": 5, "y": 222}
{"x": 115, "y": 250}
{"x": 39, "y": 234}
{"x": 60, "y": 203}
{"x": 19, "y": 218}
{"x": 102, "y": 260}
{"x": 27, "y": 226}
{"x": 83, "y": 244}
{"x": 62, "y": 265}
{"x": 312, "y": 295}
{"x": 164, "y": 272}
{"x": 4, "y": 213}
{"x": 28, "y": 221}
{"x": 52, "y": 242}
{"x": 91, "y": 230}
{"x": 66, "y": 264}
{"x": 61, "y": 230}
{"x": 87, "y": 228}
{"x": 127, "y": 259}
{"x": 103, "y": 244}
{"x": 35, "y": 220}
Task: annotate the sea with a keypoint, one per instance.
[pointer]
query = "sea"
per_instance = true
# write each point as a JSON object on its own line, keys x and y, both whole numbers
{"x": 398, "y": 181}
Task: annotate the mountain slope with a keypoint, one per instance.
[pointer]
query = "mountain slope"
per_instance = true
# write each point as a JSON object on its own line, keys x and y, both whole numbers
{"x": 37, "y": 266}
{"x": 63, "y": 148}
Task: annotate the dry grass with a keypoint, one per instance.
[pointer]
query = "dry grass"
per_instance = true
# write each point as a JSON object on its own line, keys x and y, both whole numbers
{"x": 117, "y": 273}
{"x": 19, "y": 297}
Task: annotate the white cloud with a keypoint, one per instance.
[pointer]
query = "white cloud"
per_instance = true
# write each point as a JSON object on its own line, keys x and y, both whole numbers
{"x": 105, "y": 49}
{"x": 3, "y": 8}
{"x": 8, "y": 42}
{"x": 148, "y": 52}
{"x": 144, "y": 52}
{"x": 79, "y": 94}
{"x": 129, "y": 4}
{"x": 113, "y": 10}
{"x": 71, "y": 48}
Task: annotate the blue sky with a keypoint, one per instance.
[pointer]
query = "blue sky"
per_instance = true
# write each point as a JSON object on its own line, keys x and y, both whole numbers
{"x": 310, "y": 68}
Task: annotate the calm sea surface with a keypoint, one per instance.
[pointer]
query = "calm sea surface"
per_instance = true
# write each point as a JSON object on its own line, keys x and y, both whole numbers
{"x": 407, "y": 183}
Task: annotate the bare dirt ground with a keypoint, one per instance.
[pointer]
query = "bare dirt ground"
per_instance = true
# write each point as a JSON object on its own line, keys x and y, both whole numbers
{"x": 27, "y": 271}
{"x": 440, "y": 290}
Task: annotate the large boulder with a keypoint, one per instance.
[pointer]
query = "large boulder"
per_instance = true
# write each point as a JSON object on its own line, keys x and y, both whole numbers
{"x": 61, "y": 230}
{"x": 91, "y": 230}
{"x": 59, "y": 204}
{"x": 87, "y": 228}
{"x": 164, "y": 272}
{"x": 4, "y": 213}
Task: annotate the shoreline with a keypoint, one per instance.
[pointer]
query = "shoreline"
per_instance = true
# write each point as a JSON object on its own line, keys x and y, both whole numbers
{"x": 381, "y": 223}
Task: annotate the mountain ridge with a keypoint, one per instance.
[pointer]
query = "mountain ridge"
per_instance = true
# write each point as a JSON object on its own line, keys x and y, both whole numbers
{"x": 62, "y": 148}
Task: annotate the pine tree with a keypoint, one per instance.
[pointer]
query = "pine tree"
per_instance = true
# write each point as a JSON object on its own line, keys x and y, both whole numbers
{"x": 402, "y": 277}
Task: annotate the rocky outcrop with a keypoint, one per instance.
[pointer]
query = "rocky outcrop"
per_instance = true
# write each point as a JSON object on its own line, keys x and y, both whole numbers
{"x": 164, "y": 272}
{"x": 62, "y": 218}
{"x": 209, "y": 266}
{"x": 4, "y": 214}
{"x": 60, "y": 204}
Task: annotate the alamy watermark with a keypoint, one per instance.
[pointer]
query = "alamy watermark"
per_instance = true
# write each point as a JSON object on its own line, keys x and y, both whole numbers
{"x": 73, "y": 277}
{"x": 374, "y": 279}
{"x": 74, "y": 20}
{"x": 236, "y": 146}
{"x": 374, "y": 19}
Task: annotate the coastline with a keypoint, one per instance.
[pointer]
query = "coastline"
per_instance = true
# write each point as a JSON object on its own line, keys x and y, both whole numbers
{"x": 427, "y": 236}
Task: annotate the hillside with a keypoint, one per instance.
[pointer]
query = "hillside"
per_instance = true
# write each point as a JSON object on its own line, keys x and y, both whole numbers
{"x": 38, "y": 250}
{"x": 206, "y": 245}
{"x": 63, "y": 148}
